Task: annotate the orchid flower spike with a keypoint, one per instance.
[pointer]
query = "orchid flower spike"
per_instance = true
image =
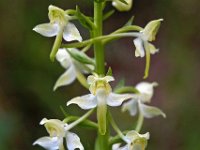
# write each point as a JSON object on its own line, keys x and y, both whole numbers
{"x": 101, "y": 96}
{"x": 58, "y": 26}
{"x": 137, "y": 101}
{"x": 134, "y": 141}
{"x": 72, "y": 66}
{"x": 57, "y": 132}
{"x": 143, "y": 45}
{"x": 119, "y": 5}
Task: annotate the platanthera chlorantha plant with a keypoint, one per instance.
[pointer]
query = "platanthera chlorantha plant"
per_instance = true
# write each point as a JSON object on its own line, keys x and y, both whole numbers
{"x": 94, "y": 75}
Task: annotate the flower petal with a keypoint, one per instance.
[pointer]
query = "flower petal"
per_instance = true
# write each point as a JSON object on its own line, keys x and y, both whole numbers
{"x": 152, "y": 48}
{"x": 47, "y": 29}
{"x": 131, "y": 106}
{"x": 117, "y": 99}
{"x": 64, "y": 58}
{"x": 139, "y": 51}
{"x": 85, "y": 102}
{"x": 66, "y": 78}
{"x": 116, "y": 147}
{"x": 48, "y": 142}
{"x": 134, "y": 135}
{"x": 149, "y": 111}
{"x": 73, "y": 141}
{"x": 146, "y": 90}
{"x": 71, "y": 33}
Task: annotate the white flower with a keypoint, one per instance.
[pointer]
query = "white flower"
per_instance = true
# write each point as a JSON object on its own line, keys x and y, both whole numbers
{"x": 134, "y": 140}
{"x": 144, "y": 96}
{"x": 101, "y": 96}
{"x": 122, "y": 6}
{"x": 147, "y": 35}
{"x": 57, "y": 131}
{"x": 59, "y": 22}
{"x": 73, "y": 68}
{"x": 100, "y": 93}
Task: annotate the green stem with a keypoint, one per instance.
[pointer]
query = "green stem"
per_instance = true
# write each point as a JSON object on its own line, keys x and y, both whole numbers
{"x": 126, "y": 89}
{"x": 70, "y": 126}
{"x": 102, "y": 140}
{"x": 85, "y": 123}
{"x": 99, "y": 39}
{"x": 139, "y": 122}
{"x": 98, "y": 46}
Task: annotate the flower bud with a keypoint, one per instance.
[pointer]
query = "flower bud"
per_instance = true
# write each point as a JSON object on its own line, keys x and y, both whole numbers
{"x": 119, "y": 5}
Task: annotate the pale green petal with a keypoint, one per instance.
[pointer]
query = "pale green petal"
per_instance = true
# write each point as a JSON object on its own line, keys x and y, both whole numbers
{"x": 63, "y": 57}
{"x": 71, "y": 33}
{"x": 73, "y": 141}
{"x": 91, "y": 79}
{"x": 48, "y": 143}
{"x": 133, "y": 135}
{"x": 151, "y": 29}
{"x": 152, "y": 48}
{"x": 85, "y": 102}
{"x": 139, "y": 51}
{"x": 117, "y": 99}
{"x": 66, "y": 78}
{"x": 47, "y": 29}
{"x": 131, "y": 106}
{"x": 150, "y": 111}
{"x": 121, "y": 6}
{"x": 108, "y": 78}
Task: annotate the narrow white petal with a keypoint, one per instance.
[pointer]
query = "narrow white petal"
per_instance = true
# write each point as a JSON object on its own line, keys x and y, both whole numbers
{"x": 47, "y": 29}
{"x": 73, "y": 141}
{"x": 64, "y": 58}
{"x": 85, "y": 102}
{"x": 48, "y": 143}
{"x": 139, "y": 51}
{"x": 71, "y": 33}
{"x": 117, "y": 99}
{"x": 131, "y": 106}
{"x": 150, "y": 112}
{"x": 66, "y": 78}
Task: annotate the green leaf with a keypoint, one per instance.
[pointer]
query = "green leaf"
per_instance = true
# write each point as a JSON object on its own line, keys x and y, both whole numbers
{"x": 108, "y": 14}
{"x": 80, "y": 56}
{"x": 129, "y": 22}
{"x": 109, "y": 73}
{"x": 84, "y": 20}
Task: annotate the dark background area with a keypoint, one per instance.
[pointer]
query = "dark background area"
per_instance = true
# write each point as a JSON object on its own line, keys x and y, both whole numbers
{"x": 27, "y": 76}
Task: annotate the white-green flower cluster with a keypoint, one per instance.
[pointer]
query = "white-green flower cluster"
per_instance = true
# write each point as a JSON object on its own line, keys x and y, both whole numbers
{"x": 76, "y": 63}
{"x": 57, "y": 132}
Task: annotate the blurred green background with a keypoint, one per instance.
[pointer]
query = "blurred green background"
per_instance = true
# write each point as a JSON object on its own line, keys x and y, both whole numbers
{"x": 27, "y": 76}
